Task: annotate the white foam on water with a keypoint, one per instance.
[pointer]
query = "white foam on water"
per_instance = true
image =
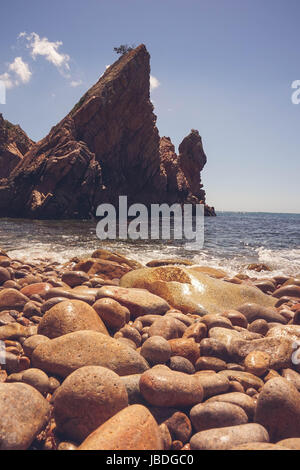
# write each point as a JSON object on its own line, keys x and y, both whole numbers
{"x": 281, "y": 261}
{"x": 284, "y": 261}
{"x": 47, "y": 253}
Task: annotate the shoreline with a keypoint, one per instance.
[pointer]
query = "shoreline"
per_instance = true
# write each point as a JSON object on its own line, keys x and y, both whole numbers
{"x": 231, "y": 242}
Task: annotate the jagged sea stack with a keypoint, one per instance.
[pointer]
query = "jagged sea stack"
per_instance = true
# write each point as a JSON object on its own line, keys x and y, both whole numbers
{"x": 108, "y": 145}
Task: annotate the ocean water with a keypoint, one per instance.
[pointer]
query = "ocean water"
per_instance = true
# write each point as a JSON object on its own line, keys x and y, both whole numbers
{"x": 232, "y": 241}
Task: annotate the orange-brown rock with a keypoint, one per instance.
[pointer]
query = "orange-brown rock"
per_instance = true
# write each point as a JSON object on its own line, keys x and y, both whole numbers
{"x": 69, "y": 316}
{"x": 257, "y": 362}
{"x": 12, "y": 299}
{"x": 15, "y": 331}
{"x": 185, "y": 347}
{"x": 168, "y": 327}
{"x": 107, "y": 269}
{"x": 14, "y": 143}
{"x": 62, "y": 355}
{"x": 100, "y": 253}
{"x": 4, "y": 275}
{"x": 161, "y": 386}
{"x": 292, "y": 443}
{"x": 259, "y": 446}
{"x": 236, "y": 398}
{"x": 113, "y": 314}
{"x": 40, "y": 288}
{"x": 182, "y": 172}
{"x": 278, "y": 409}
{"x": 156, "y": 350}
{"x": 74, "y": 278}
{"x": 236, "y": 318}
{"x": 289, "y": 290}
{"x": 197, "y": 331}
{"x": 138, "y": 301}
{"x": 23, "y": 414}
{"x": 217, "y": 415}
{"x": 86, "y": 399}
{"x": 133, "y": 428}
{"x": 179, "y": 426}
{"x": 229, "y": 436}
{"x": 210, "y": 363}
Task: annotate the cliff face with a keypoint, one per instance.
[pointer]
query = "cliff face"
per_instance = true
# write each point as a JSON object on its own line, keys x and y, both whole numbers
{"x": 107, "y": 146}
{"x": 14, "y": 143}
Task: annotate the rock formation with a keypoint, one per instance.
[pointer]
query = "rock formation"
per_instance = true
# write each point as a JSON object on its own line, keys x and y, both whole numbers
{"x": 14, "y": 143}
{"x": 108, "y": 145}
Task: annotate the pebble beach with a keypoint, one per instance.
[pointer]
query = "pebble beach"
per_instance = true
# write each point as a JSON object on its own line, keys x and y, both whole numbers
{"x": 108, "y": 353}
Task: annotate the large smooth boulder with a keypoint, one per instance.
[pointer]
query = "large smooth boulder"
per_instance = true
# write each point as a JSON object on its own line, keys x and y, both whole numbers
{"x": 290, "y": 444}
{"x": 138, "y": 301}
{"x": 279, "y": 350}
{"x": 167, "y": 327}
{"x": 38, "y": 288}
{"x": 213, "y": 384}
{"x": 191, "y": 291}
{"x": 185, "y": 347}
{"x": 112, "y": 313}
{"x": 278, "y": 409}
{"x": 287, "y": 290}
{"x": 23, "y": 413}
{"x": 253, "y": 311}
{"x": 161, "y": 386}
{"x": 37, "y": 379}
{"x": 4, "y": 275}
{"x": 107, "y": 269}
{"x": 236, "y": 398}
{"x": 69, "y": 316}
{"x": 133, "y": 428}
{"x": 291, "y": 332}
{"x": 16, "y": 330}
{"x": 67, "y": 353}
{"x": 12, "y": 299}
{"x": 217, "y": 415}
{"x": 156, "y": 350}
{"x": 229, "y": 436}
{"x": 246, "y": 379}
{"x": 239, "y": 344}
{"x": 74, "y": 278}
{"x": 259, "y": 446}
{"x": 86, "y": 399}
{"x": 100, "y": 253}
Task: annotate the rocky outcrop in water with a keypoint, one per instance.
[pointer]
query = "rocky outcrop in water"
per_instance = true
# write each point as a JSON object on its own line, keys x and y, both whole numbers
{"x": 108, "y": 145}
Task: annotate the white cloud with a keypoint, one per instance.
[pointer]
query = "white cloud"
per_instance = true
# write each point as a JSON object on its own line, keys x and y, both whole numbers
{"x": 75, "y": 83}
{"x": 7, "y": 80}
{"x": 154, "y": 83}
{"x": 18, "y": 72}
{"x": 43, "y": 47}
{"x": 21, "y": 69}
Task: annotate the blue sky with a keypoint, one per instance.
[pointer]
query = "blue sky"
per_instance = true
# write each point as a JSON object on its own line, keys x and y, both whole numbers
{"x": 224, "y": 67}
